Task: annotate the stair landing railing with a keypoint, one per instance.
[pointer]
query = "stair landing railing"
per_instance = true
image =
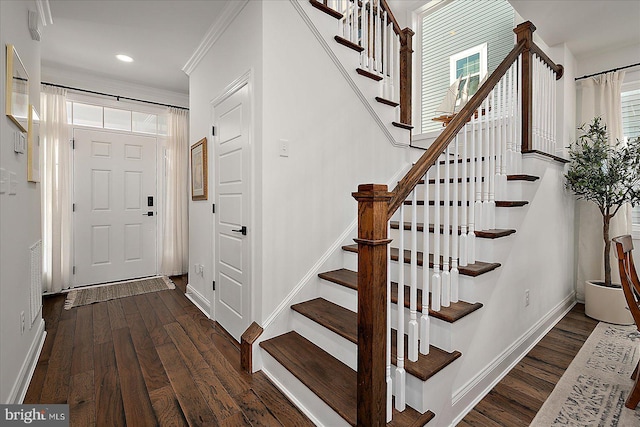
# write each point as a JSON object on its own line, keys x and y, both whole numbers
{"x": 468, "y": 166}
{"x": 385, "y": 50}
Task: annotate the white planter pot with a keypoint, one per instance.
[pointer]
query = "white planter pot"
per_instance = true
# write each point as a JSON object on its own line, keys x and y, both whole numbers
{"x": 606, "y": 304}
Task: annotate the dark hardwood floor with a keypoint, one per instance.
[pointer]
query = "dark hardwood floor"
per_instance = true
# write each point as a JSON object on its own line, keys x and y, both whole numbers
{"x": 155, "y": 359}
{"x": 516, "y": 399}
{"x": 151, "y": 359}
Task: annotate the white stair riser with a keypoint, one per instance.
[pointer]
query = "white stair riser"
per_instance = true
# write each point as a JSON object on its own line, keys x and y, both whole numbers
{"x": 340, "y": 348}
{"x": 486, "y": 249}
{"x": 509, "y": 217}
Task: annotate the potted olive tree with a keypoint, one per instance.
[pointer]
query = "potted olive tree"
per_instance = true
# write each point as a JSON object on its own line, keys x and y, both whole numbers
{"x": 609, "y": 176}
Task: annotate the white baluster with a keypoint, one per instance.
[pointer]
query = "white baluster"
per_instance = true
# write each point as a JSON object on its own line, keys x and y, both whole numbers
{"x": 511, "y": 152}
{"x": 400, "y": 372}
{"x": 389, "y": 381}
{"x": 481, "y": 183}
{"x": 491, "y": 122}
{"x": 455, "y": 211}
{"x": 446, "y": 232}
{"x": 474, "y": 183}
{"x": 503, "y": 139}
{"x": 464, "y": 255}
{"x": 554, "y": 88}
{"x": 436, "y": 283}
{"x": 364, "y": 39}
{"x": 425, "y": 322}
{"x": 413, "y": 296}
{"x": 519, "y": 118}
{"x": 486, "y": 169}
{"x": 378, "y": 37}
{"x": 385, "y": 56}
{"x": 371, "y": 25}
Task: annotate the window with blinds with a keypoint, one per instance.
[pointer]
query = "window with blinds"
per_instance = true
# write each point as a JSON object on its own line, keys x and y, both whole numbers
{"x": 454, "y": 28}
{"x": 631, "y": 129}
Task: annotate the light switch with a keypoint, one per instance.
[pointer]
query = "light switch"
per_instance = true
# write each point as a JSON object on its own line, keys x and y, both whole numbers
{"x": 3, "y": 181}
{"x": 13, "y": 183}
{"x": 19, "y": 142}
{"x": 284, "y": 148}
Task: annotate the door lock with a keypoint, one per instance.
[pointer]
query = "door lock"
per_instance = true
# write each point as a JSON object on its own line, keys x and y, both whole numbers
{"x": 150, "y": 213}
{"x": 242, "y": 230}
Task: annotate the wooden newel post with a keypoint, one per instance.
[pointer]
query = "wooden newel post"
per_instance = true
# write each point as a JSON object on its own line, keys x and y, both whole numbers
{"x": 373, "y": 201}
{"x": 524, "y": 32}
{"x": 406, "y": 70}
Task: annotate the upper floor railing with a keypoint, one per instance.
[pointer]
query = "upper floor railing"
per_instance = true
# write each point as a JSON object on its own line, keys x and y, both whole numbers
{"x": 385, "y": 50}
{"x": 463, "y": 177}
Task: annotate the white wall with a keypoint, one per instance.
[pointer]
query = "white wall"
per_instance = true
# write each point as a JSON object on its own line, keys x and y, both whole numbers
{"x": 237, "y": 51}
{"x": 334, "y": 146}
{"x": 19, "y": 217}
{"x": 302, "y": 203}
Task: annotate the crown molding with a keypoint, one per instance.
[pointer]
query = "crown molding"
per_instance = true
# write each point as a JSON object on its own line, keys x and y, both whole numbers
{"x": 231, "y": 10}
{"x": 44, "y": 10}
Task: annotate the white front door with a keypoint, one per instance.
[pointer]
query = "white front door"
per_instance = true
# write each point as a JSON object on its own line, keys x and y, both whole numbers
{"x": 233, "y": 234}
{"x": 115, "y": 217}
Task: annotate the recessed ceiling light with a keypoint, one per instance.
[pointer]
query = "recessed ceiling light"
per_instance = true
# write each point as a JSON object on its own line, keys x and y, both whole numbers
{"x": 124, "y": 58}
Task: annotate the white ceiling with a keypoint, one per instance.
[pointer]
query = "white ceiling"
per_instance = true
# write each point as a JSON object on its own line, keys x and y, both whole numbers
{"x": 161, "y": 36}
{"x": 586, "y": 26}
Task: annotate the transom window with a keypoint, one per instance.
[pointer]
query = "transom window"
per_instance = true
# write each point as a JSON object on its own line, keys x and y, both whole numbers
{"x": 81, "y": 114}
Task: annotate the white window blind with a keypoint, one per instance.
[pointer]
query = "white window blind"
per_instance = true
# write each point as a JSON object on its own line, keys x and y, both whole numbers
{"x": 631, "y": 129}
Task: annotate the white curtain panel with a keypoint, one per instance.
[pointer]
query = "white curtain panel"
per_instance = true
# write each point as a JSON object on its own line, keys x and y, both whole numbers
{"x": 56, "y": 189}
{"x": 599, "y": 96}
{"x": 175, "y": 246}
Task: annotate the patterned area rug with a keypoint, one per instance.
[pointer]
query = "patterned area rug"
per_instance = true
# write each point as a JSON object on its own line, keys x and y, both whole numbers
{"x": 108, "y": 291}
{"x": 594, "y": 388}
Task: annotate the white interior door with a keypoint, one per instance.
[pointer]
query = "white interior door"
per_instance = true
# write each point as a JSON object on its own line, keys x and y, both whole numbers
{"x": 115, "y": 217}
{"x": 233, "y": 235}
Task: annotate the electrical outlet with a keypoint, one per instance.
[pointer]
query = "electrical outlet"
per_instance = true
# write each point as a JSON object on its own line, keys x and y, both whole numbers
{"x": 526, "y": 298}
{"x": 22, "y": 322}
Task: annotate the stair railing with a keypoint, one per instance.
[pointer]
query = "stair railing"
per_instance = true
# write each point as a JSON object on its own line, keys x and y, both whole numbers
{"x": 467, "y": 167}
{"x": 385, "y": 49}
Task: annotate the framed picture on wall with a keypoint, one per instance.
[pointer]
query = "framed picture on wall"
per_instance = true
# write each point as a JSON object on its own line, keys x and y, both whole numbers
{"x": 17, "y": 89}
{"x": 199, "y": 170}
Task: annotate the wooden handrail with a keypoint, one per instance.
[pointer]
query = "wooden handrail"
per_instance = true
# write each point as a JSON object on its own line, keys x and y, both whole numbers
{"x": 396, "y": 26}
{"x": 557, "y": 68}
{"x": 428, "y": 159}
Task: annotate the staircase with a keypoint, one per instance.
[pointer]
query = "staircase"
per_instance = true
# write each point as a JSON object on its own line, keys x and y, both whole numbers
{"x": 461, "y": 198}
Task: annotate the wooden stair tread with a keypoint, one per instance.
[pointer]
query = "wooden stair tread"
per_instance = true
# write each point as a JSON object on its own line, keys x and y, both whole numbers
{"x": 473, "y": 270}
{"x": 386, "y": 101}
{"x": 499, "y": 203}
{"x": 485, "y": 234}
{"x": 511, "y": 203}
{"x": 348, "y": 43}
{"x": 368, "y": 74}
{"x": 344, "y": 322}
{"x": 326, "y": 9}
{"x": 331, "y": 380}
{"x": 342, "y": 276}
{"x": 402, "y": 125}
{"x": 427, "y": 365}
{"x": 522, "y": 177}
{"x": 454, "y": 312}
{"x": 451, "y": 314}
{"x": 332, "y": 316}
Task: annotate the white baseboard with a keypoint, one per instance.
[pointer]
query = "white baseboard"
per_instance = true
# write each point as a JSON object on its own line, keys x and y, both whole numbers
{"x": 474, "y": 390}
{"x": 199, "y": 300}
{"x": 19, "y": 390}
